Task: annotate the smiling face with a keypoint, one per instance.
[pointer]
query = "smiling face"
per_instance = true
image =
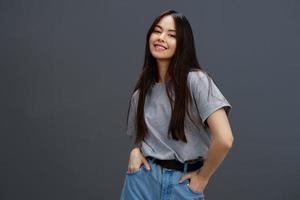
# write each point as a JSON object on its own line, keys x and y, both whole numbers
{"x": 162, "y": 41}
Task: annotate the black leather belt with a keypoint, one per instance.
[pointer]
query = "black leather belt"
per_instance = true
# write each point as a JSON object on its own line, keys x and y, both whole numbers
{"x": 177, "y": 165}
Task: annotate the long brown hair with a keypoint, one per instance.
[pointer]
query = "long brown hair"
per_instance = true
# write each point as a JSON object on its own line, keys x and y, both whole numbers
{"x": 183, "y": 61}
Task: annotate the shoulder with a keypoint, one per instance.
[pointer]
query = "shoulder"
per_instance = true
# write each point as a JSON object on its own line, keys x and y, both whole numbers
{"x": 198, "y": 78}
{"x": 135, "y": 95}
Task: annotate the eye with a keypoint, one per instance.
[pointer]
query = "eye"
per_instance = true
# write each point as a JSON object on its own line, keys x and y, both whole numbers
{"x": 156, "y": 31}
{"x": 172, "y": 35}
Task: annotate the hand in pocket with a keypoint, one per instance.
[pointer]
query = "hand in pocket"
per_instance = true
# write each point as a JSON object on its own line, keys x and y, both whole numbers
{"x": 136, "y": 159}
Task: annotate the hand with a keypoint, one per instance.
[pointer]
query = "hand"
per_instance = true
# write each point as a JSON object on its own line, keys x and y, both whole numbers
{"x": 136, "y": 158}
{"x": 197, "y": 182}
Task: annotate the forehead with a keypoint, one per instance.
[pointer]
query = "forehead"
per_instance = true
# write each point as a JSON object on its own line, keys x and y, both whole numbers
{"x": 167, "y": 22}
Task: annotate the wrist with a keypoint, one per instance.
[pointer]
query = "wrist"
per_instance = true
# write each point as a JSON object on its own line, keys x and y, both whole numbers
{"x": 202, "y": 175}
{"x": 136, "y": 150}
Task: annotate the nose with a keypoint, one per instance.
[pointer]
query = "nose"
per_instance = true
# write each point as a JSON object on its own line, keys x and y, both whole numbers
{"x": 162, "y": 37}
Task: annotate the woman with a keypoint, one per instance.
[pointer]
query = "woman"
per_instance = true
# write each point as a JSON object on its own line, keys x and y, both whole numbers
{"x": 178, "y": 117}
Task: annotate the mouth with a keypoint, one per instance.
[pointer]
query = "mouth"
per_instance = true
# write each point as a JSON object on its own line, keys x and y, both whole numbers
{"x": 159, "y": 47}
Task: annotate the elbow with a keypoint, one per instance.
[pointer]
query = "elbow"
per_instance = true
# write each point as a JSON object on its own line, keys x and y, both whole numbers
{"x": 226, "y": 143}
{"x": 229, "y": 143}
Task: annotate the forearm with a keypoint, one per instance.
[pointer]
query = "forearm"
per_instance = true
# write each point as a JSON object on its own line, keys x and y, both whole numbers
{"x": 216, "y": 154}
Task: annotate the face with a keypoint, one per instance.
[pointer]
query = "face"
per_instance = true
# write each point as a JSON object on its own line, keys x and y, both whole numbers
{"x": 162, "y": 41}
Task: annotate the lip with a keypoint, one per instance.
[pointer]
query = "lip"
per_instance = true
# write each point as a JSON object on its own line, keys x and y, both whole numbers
{"x": 160, "y": 45}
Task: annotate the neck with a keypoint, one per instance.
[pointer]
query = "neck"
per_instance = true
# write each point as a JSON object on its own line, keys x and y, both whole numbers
{"x": 162, "y": 69}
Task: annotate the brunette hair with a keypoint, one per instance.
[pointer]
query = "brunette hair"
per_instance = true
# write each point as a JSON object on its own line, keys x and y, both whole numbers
{"x": 183, "y": 61}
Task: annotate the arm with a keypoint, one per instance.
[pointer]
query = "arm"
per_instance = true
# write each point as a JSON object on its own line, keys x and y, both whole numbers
{"x": 222, "y": 142}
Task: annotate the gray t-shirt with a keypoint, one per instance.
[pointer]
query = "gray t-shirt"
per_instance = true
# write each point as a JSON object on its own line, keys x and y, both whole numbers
{"x": 158, "y": 115}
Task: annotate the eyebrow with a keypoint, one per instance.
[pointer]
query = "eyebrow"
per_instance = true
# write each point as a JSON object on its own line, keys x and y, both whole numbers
{"x": 162, "y": 28}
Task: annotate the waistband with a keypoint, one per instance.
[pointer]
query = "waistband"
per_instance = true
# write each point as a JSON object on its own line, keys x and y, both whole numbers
{"x": 187, "y": 166}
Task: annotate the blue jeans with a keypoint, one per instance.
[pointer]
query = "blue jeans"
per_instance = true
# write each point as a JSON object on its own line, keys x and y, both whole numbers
{"x": 157, "y": 184}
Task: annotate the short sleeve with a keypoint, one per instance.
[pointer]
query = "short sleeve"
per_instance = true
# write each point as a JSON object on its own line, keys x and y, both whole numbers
{"x": 207, "y": 95}
{"x": 131, "y": 128}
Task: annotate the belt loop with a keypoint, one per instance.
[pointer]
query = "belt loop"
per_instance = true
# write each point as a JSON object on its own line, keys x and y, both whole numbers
{"x": 151, "y": 160}
{"x": 185, "y": 167}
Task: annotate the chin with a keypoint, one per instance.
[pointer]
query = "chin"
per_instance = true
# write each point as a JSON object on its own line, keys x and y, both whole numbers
{"x": 160, "y": 56}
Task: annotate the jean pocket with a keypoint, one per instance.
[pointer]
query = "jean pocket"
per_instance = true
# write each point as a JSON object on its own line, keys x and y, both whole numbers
{"x": 187, "y": 185}
{"x": 135, "y": 172}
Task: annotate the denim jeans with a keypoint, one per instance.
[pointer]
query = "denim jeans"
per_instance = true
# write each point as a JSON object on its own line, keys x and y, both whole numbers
{"x": 157, "y": 184}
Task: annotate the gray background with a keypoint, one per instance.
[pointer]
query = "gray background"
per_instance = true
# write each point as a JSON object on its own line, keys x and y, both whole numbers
{"x": 68, "y": 68}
